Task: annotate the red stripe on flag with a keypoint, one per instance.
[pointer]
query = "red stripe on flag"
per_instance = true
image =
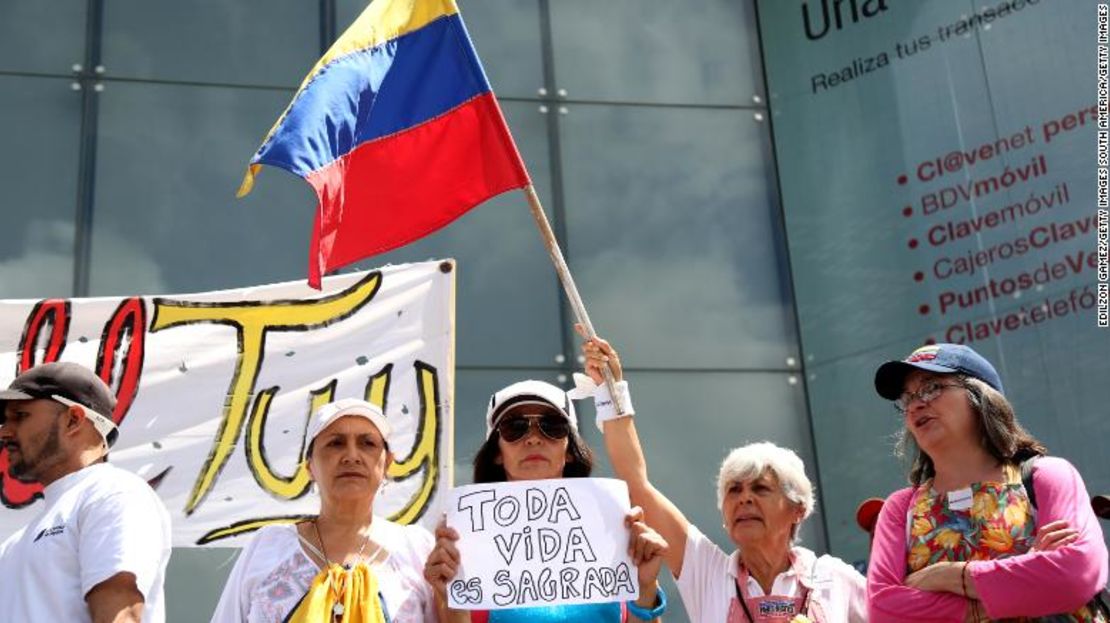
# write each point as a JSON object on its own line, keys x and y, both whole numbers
{"x": 389, "y": 192}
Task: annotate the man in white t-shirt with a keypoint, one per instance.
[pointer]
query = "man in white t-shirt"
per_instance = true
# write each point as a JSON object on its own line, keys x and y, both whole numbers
{"x": 97, "y": 548}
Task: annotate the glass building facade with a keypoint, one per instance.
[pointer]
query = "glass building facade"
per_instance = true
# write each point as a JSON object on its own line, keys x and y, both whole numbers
{"x": 644, "y": 125}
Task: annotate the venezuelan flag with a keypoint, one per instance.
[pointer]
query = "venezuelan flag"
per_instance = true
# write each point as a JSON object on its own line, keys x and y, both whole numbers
{"x": 397, "y": 130}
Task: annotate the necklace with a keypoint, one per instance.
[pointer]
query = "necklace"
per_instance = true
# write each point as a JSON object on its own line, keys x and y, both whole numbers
{"x": 324, "y": 549}
{"x": 337, "y": 609}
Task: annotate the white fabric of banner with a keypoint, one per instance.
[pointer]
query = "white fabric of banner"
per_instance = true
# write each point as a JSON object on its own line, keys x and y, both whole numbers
{"x": 215, "y": 390}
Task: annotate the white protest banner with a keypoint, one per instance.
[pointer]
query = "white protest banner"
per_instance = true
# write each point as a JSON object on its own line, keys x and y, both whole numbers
{"x": 215, "y": 390}
{"x": 541, "y": 543}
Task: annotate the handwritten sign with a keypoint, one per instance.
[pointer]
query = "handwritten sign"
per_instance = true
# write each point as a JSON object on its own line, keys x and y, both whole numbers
{"x": 541, "y": 543}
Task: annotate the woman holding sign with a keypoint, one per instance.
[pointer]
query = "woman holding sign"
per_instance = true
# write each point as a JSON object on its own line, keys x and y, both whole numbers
{"x": 347, "y": 564}
{"x": 763, "y": 495}
{"x": 532, "y": 434}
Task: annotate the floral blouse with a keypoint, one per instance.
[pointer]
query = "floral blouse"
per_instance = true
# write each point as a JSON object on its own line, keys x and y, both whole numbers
{"x": 992, "y": 520}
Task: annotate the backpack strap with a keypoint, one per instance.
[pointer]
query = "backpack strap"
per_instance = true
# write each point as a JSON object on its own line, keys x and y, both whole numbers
{"x": 1101, "y": 601}
{"x": 1027, "y": 468}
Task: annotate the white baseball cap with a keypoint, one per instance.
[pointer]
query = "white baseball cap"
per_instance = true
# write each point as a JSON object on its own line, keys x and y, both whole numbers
{"x": 529, "y": 392}
{"x": 343, "y": 407}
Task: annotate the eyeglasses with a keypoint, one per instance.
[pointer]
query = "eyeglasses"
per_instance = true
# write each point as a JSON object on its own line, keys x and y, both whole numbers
{"x": 517, "y": 427}
{"x": 926, "y": 394}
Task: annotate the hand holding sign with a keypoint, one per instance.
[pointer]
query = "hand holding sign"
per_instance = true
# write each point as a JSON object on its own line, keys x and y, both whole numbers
{"x": 443, "y": 562}
{"x": 539, "y": 542}
{"x": 646, "y": 547}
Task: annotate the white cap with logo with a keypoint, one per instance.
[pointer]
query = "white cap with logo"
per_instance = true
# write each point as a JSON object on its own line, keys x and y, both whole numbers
{"x": 529, "y": 392}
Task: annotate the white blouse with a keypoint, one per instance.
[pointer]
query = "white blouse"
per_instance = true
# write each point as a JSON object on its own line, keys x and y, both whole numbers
{"x": 273, "y": 573}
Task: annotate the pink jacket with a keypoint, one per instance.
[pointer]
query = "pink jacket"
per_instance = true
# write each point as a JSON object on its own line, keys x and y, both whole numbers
{"x": 1030, "y": 584}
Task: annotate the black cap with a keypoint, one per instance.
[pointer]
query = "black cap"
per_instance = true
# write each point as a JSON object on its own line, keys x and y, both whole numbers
{"x": 71, "y": 382}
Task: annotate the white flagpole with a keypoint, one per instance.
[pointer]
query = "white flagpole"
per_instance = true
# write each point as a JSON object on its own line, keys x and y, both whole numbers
{"x": 567, "y": 280}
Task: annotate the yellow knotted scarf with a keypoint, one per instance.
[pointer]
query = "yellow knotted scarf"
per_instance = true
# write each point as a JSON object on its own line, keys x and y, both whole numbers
{"x": 355, "y": 590}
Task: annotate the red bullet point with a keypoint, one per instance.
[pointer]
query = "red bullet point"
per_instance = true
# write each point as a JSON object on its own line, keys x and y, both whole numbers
{"x": 930, "y": 342}
{"x": 913, "y": 243}
{"x": 919, "y": 276}
{"x": 907, "y": 211}
{"x": 902, "y": 179}
{"x": 924, "y": 309}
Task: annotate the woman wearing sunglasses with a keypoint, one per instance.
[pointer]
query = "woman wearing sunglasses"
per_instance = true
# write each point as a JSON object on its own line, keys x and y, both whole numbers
{"x": 532, "y": 434}
{"x": 969, "y": 541}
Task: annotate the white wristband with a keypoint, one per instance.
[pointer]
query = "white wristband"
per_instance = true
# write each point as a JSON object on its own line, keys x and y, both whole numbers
{"x": 584, "y": 387}
{"x": 607, "y": 409}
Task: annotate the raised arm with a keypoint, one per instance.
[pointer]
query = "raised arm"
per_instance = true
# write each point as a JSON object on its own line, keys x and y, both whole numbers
{"x": 627, "y": 457}
{"x": 1061, "y": 580}
{"x": 889, "y": 598}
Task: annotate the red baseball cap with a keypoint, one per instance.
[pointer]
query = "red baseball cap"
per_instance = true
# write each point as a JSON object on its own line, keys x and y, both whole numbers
{"x": 868, "y": 513}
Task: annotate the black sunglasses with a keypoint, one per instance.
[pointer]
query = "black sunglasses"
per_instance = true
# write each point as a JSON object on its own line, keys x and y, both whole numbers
{"x": 514, "y": 428}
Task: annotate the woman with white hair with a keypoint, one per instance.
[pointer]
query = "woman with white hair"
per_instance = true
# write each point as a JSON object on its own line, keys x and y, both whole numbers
{"x": 763, "y": 495}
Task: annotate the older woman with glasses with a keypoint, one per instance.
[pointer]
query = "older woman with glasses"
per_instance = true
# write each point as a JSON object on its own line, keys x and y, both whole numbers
{"x": 532, "y": 434}
{"x": 990, "y": 528}
{"x": 763, "y": 496}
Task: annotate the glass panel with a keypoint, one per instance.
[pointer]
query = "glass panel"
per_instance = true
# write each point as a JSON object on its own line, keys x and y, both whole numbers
{"x": 505, "y": 33}
{"x": 936, "y": 190}
{"x": 689, "y": 421}
{"x": 674, "y": 236}
{"x": 848, "y": 414}
{"x": 1063, "y": 87}
{"x": 43, "y": 118}
{"x": 268, "y": 42}
{"x": 508, "y": 294}
{"x": 195, "y": 580}
{"x": 47, "y": 37}
{"x": 693, "y": 52}
{"x": 169, "y": 160}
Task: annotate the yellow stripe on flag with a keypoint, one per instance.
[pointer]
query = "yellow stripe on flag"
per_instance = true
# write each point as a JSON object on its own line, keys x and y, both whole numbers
{"x": 382, "y": 21}
{"x": 385, "y": 20}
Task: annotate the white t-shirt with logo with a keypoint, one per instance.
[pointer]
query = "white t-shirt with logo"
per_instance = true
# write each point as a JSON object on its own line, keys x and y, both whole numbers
{"x": 94, "y": 523}
{"x": 273, "y": 573}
